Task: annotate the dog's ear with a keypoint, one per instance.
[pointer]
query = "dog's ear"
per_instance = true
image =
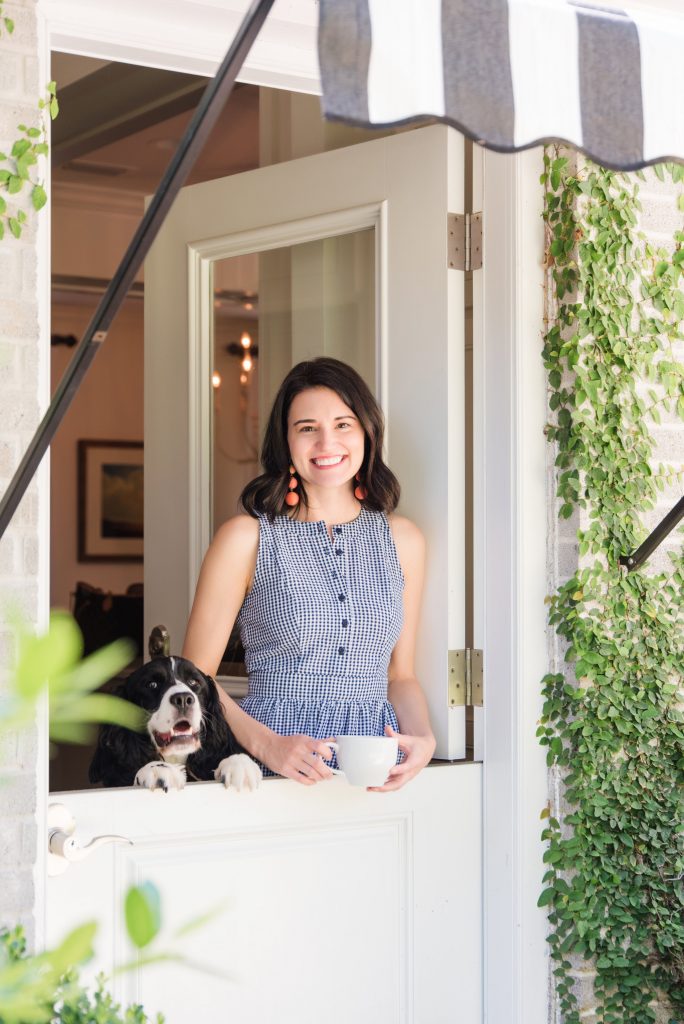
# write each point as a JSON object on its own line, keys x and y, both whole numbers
{"x": 217, "y": 739}
{"x": 119, "y": 753}
{"x": 212, "y": 701}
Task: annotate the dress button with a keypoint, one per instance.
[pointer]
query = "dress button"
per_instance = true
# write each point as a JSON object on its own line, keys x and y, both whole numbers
{"x": 345, "y": 623}
{"x": 341, "y": 597}
{"x": 338, "y": 551}
{"x": 340, "y": 650}
{"x": 338, "y": 529}
{"x": 334, "y": 575}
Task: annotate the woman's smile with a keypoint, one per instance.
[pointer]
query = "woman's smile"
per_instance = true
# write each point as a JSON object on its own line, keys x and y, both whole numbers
{"x": 325, "y": 461}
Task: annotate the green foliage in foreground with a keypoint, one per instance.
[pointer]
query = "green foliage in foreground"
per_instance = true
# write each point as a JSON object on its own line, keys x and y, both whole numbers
{"x": 615, "y": 729}
{"x": 53, "y": 662}
{"x": 46, "y": 989}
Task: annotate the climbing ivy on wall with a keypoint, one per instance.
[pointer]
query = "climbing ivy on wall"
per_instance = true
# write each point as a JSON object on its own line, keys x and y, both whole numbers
{"x": 613, "y": 722}
{"x": 5, "y": 21}
{"x": 18, "y": 177}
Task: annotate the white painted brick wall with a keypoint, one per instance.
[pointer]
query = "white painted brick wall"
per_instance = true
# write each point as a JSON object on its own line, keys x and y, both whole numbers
{"x": 19, "y": 562}
{"x": 659, "y": 219}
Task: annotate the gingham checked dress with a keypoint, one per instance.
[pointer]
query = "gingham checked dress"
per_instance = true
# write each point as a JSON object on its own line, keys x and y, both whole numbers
{"x": 319, "y": 626}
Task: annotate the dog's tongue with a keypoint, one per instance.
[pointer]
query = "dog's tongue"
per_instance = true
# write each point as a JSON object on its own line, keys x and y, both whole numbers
{"x": 180, "y": 729}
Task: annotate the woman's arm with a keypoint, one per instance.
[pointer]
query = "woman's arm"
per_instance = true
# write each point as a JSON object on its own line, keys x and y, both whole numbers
{"x": 404, "y": 692}
{"x": 225, "y": 579}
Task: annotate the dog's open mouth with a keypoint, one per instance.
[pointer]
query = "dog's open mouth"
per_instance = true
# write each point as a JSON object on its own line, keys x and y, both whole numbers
{"x": 180, "y": 734}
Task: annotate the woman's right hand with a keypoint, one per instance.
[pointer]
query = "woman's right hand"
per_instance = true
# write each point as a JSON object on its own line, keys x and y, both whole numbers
{"x": 297, "y": 757}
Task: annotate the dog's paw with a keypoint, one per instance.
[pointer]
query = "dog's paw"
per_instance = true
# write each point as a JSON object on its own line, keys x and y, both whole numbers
{"x": 239, "y": 771}
{"x": 160, "y": 775}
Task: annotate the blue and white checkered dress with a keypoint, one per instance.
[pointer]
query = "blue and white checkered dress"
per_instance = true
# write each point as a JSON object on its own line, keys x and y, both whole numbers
{"x": 319, "y": 626}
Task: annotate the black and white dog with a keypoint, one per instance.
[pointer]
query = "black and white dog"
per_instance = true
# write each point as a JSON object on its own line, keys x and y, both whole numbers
{"x": 186, "y": 735}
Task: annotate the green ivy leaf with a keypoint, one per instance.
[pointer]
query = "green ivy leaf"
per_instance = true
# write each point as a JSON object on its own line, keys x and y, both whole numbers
{"x": 20, "y": 147}
{"x": 547, "y": 896}
{"x": 38, "y": 197}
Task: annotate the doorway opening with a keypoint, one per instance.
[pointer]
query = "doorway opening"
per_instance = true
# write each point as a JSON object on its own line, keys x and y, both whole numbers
{"x": 119, "y": 127}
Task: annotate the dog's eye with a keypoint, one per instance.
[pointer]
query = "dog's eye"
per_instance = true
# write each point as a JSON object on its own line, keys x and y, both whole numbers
{"x": 152, "y": 684}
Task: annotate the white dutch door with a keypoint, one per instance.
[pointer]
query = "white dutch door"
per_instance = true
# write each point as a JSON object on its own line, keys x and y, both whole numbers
{"x": 334, "y": 903}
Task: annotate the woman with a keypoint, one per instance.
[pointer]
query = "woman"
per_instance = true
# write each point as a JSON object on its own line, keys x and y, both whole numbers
{"x": 326, "y": 583}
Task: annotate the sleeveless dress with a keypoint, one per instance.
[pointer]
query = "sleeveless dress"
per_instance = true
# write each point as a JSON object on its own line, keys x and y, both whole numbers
{"x": 319, "y": 626}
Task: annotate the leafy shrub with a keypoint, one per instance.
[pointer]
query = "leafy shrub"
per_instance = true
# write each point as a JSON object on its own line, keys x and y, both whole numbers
{"x": 63, "y": 1001}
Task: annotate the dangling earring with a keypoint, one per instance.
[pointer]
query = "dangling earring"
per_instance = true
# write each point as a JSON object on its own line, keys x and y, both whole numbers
{"x": 292, "y": 498}
{"x": 360, "y": 492}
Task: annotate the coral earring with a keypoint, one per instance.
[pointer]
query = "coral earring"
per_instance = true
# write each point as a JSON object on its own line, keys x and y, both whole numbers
{"x": 292, "y": 498}
{"x": 360, "y": 492}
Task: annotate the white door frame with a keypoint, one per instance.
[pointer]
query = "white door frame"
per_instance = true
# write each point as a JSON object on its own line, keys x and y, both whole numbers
{"x": 510, "y": 490}
{"x": 510, "y": 576}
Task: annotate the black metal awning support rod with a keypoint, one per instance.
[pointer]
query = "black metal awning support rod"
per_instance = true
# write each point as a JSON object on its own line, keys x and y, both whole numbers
{"x": 655, "y": 538}
{"x": 189, "y": 148}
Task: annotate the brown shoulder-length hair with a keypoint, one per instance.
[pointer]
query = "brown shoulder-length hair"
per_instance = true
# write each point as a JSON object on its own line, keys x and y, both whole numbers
{"x": 266, "y": 493}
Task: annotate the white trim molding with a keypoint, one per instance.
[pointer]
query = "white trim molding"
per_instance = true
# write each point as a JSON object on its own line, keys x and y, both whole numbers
{"x": 201, "y": 258}
{"x": 70, "y": 195}
{"x": 191, "y": 36}
{"x": 510, "y": 577}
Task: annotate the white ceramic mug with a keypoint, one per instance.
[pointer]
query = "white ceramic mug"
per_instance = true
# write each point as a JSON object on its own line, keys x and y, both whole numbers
{"x": 365, "y": 760}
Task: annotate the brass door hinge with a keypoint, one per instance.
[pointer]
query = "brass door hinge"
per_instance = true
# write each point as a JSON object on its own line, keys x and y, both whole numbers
{"x": 464, "y": 241}
{"x": 466, "y": 681}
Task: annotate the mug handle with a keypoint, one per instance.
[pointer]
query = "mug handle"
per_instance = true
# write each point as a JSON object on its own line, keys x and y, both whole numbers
{"x": 334, "y": 746}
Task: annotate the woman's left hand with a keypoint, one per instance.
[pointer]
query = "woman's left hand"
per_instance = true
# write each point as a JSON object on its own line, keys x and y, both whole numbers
{"x": 417, "y": 750}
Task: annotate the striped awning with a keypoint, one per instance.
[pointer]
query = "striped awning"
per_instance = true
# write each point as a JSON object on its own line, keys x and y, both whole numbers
{"x": 512, "y": 73}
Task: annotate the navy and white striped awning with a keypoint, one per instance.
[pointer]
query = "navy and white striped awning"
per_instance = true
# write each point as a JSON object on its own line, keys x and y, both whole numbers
{"x": 512, "y": 73}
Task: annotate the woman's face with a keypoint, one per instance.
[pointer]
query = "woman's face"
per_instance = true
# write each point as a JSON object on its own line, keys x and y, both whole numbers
{"x": 326, "y": 439}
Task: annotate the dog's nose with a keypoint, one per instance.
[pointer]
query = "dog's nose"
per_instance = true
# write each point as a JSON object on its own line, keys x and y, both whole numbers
{"x": 182, "y": 700}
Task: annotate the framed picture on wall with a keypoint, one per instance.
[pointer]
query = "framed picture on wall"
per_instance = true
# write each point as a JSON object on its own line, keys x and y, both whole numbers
{"x": 110, "y": 501}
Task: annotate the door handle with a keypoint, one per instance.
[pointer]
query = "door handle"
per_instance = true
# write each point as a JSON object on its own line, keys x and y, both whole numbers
{"x": 63, "y": 847}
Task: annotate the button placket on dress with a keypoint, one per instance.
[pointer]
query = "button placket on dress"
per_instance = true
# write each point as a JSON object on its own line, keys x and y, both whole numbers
{"x": 335, "y": 555}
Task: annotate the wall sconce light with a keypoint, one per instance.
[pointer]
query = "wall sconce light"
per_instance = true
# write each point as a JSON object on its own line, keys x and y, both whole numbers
{"x": 247, "y": 353}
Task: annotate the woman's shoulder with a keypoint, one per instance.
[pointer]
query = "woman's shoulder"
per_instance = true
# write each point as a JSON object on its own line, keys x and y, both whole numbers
{"x": 241, "y": 529}
{"x": 408, "y": 538}
{"x": 405, "y": 531}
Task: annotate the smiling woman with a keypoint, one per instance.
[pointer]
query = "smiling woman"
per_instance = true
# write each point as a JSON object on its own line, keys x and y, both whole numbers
{"x": 325, "y": 582}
